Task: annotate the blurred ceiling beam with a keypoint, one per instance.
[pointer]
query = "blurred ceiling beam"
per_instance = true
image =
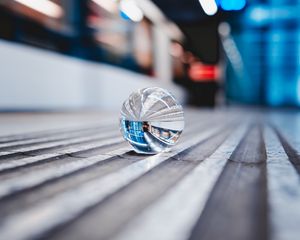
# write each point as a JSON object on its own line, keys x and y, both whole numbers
{"x": 45, "y": 7}
{"x": 109, "y": 6}
{"x": 152, "y": 12}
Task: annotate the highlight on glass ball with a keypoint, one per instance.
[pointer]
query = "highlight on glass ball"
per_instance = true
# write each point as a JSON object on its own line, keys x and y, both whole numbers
{"x": 151, "y": 120}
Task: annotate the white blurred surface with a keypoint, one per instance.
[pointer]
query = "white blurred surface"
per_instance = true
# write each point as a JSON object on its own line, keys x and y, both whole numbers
{"x": 35, "y": 79}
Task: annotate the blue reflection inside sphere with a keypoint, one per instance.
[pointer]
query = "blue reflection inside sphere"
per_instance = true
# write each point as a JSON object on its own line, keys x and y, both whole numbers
{"x": 148, "y": 139}
{"x": 151, "y": 120}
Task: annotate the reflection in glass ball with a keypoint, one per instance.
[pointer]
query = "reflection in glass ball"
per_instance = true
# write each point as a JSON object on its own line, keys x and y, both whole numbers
{"x": 151, "y": 120}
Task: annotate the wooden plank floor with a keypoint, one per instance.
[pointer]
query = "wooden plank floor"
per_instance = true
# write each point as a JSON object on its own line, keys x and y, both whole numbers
{"x": 233, "y": 175}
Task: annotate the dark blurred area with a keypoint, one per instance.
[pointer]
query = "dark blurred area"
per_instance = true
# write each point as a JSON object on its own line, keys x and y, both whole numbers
{"x": 218, "y": 52}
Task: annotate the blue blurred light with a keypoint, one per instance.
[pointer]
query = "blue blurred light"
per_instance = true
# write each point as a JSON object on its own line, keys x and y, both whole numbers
{"x": 259, "y": 14}
{"x": 231, "y": 5}
{"x": 124, "y": 16}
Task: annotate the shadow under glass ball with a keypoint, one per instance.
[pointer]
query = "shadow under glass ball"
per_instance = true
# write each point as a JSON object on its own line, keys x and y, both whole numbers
{"x": 151, "y": 120}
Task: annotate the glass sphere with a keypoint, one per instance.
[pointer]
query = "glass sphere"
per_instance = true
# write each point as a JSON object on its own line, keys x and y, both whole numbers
{"x": 151, "y": 120}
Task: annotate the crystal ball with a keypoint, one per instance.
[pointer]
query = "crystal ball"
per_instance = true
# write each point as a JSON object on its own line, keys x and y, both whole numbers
{"x": 151, "y": 120}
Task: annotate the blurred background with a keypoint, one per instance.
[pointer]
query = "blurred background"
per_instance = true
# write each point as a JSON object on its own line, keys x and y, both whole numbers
{"x": 91, "y": 54}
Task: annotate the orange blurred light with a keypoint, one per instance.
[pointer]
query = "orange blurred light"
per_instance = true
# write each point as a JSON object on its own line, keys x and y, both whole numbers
{"x": 46, "y": 7}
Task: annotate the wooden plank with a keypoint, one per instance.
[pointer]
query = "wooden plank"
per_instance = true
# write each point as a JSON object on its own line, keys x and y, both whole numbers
{"x": 66, "y": 206}
{"x": 287, "y": 125}
{"x": 237, "y": 207}
{"x": 56, "y": 150}
{"x": 31, "y": 136}
{"x": 140, "y": 194}
{"x": 70, "y": 184}
{"x": 46, "y": 154}
{"x": 11, "y": 203}
{"x": 17, "y": 126}
{"x": 283, "y": 191}
{"x": 52, "y": 125}
{"x": 55, "y": 137}
{"x": 24, "y": 199}
{"x": 173, "y": 216}
{"x": 13, "y": 185}
{"x": 57, "y": 144}
{"x": 290, "y": 146}
{"x": 11, "y": 164}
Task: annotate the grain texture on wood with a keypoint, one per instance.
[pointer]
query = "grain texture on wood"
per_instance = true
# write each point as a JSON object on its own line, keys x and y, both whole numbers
{"x": 239, "y": 199}
{"x": 233, "y": 175}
